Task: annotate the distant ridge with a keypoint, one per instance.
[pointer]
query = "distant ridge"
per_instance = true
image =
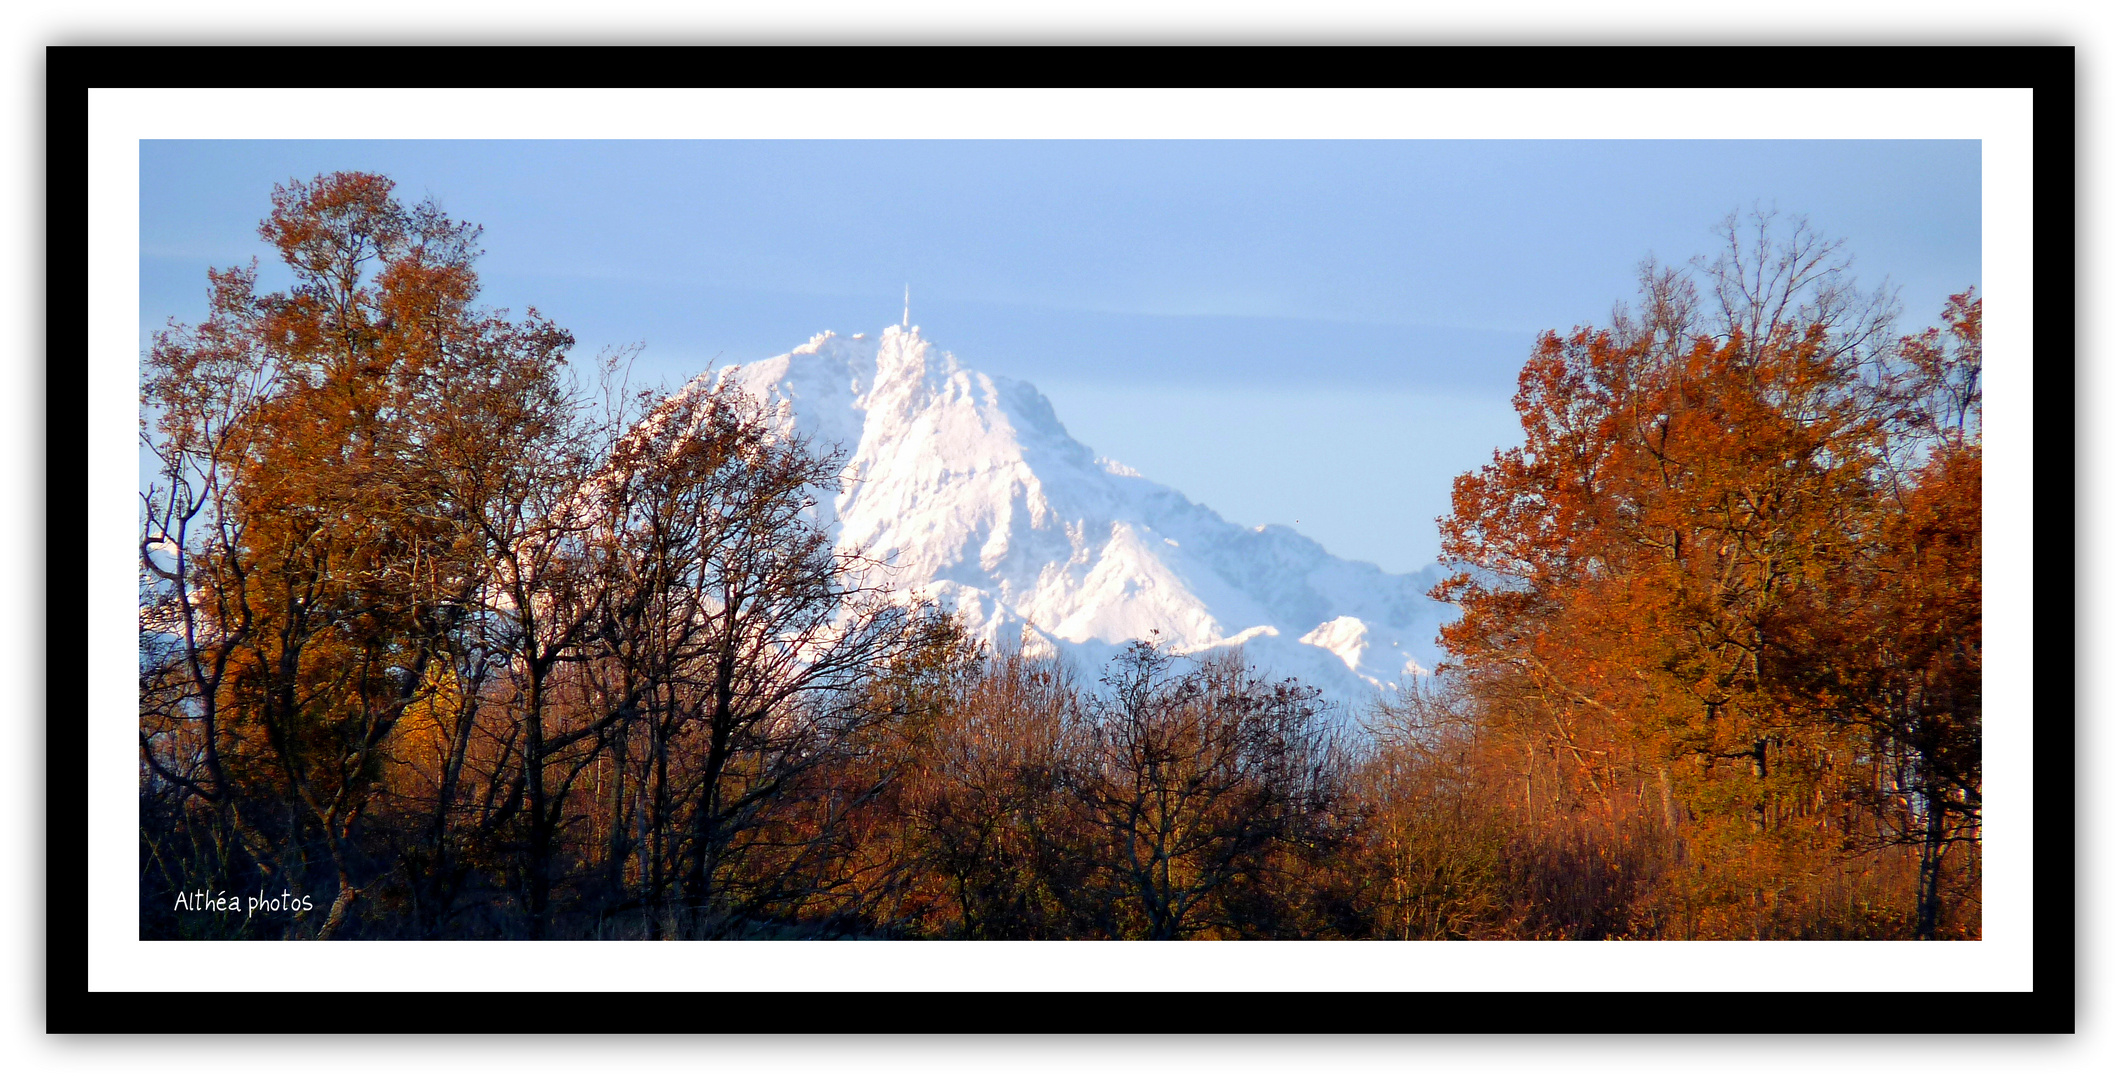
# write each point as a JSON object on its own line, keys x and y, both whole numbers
{"x": 972, "y": 492}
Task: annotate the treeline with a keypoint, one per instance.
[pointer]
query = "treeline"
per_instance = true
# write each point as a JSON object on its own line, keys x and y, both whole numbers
{"x": 453, "y": 647}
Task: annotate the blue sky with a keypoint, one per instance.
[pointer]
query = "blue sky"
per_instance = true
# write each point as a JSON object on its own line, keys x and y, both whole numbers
{"x": 1312, "y": 330}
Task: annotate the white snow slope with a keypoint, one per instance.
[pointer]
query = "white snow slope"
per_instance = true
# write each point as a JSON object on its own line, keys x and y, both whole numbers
{"x": 972, "y": 492}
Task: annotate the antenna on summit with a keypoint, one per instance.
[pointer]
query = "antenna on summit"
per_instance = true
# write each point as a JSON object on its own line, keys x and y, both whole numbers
{"x": 905, "y": 318}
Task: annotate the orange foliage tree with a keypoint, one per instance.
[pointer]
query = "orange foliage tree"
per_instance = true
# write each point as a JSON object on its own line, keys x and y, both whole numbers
{"x": 307, "y": 549}
{"x": 1730, "y": 583}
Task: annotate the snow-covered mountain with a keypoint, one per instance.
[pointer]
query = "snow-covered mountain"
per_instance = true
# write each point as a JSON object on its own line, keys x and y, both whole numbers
{"x": 972, "y": 492}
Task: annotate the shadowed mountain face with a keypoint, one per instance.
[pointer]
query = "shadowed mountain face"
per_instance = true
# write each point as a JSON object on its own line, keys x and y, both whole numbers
{"x": 969, "y": 490}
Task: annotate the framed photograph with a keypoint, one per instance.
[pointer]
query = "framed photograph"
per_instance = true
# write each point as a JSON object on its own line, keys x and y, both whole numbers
{"x": 1438, "y": 541}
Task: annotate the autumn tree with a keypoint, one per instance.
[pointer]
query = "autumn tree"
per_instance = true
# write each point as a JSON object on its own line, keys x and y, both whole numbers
{"x": 1192, "y": 779}
{"x": 420, "y": 631}
{"x": 989, "y": 807}
{"x": 1697, "y": 572}
{"x": 306, "y": 545}
{"x": 1431, "y": 857}
{"x": 745, "y": 639}
{"x": 1897, "y": 654}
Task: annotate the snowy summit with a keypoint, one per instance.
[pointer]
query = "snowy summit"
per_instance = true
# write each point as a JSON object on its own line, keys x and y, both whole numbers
{"x": 971, "y": 492}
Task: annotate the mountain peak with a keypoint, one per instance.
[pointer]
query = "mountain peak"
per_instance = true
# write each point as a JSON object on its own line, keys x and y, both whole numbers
{"x": 970, "y": 491}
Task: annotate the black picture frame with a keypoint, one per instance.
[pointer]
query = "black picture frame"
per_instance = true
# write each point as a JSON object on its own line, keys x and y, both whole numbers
{"x": 2049, "y": 1006}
